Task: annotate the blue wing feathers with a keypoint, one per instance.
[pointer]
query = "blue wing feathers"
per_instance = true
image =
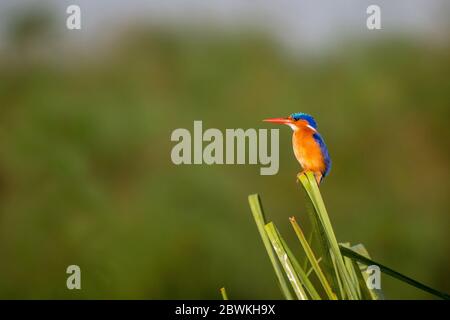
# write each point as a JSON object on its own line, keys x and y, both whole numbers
{"x": 326, "y": 156}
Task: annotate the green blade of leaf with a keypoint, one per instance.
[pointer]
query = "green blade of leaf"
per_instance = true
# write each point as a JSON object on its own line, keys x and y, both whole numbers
{"x": 224, "y": 294}
{"x": 321, "y": 246}
{"x": 285, "y": 261}
{"x": 310, "y": 241}
{"x": 310, "y": 289}
{"x": 342, "y": 291}
{"x": 258, "y": 215}
{"x": 366, "y": 292}
{"x": 363, "y": 277}
{"x": 352, "y": 272}
{"x": 312, "y": 259}
{"x": 310, "y": 185}
{"x": 354, "y": 255}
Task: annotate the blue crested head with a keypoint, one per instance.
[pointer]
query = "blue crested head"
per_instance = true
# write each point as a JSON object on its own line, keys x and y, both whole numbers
{"x": 303, "y": 116}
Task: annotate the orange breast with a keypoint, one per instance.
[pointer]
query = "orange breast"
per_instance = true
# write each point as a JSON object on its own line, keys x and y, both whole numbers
{"x": 307, "y": 150}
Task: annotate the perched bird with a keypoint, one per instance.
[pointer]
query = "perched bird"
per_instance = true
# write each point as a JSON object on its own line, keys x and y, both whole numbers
{"x": 309, "y": 147}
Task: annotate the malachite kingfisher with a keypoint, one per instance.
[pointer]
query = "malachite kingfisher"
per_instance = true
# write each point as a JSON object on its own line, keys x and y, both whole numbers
{"x": 309, "y": 147}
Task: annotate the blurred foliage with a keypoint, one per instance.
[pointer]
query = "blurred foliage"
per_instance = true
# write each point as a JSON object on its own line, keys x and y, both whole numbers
{"x": 86, "y": 176}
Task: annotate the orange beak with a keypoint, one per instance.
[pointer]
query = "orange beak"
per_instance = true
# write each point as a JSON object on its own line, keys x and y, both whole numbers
{"x": 279, "y": 120}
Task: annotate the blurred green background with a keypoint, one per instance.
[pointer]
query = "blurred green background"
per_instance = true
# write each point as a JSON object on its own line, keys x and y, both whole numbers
{"x": 86, "y": 176}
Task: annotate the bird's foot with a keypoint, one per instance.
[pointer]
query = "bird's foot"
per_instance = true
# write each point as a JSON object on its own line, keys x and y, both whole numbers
{"x": 299, "y": 174}
{"x": 317, "y": 175}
